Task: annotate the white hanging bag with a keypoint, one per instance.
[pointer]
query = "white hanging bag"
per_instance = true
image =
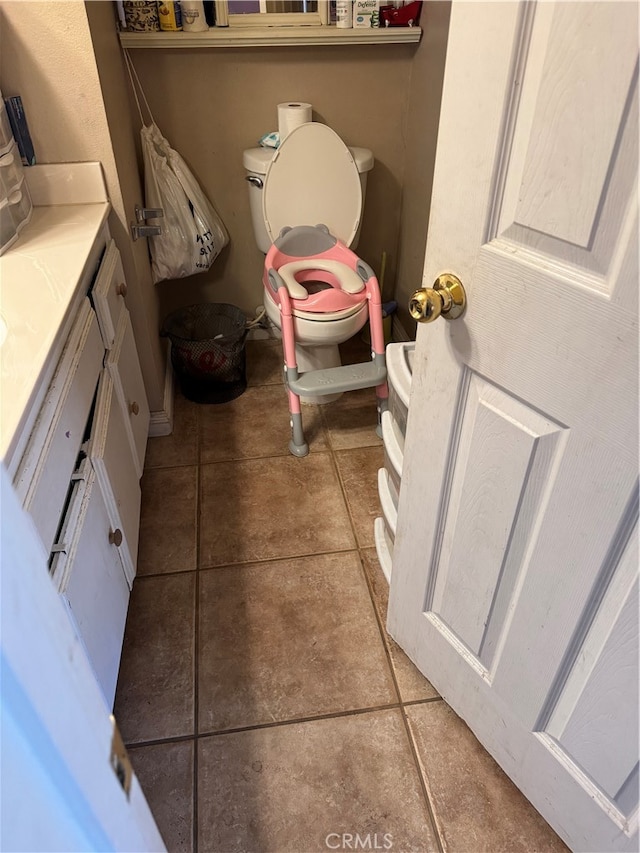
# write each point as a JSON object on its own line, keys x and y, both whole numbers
{"x": 192, "y": 235}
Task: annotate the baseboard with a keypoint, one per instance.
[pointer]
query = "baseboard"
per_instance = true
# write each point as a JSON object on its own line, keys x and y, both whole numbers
{"x": 161, "y": 422}
{"x": 399, "y": 333}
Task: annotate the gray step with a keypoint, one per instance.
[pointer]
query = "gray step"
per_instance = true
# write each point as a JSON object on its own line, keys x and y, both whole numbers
{"x": 333, "y": 380}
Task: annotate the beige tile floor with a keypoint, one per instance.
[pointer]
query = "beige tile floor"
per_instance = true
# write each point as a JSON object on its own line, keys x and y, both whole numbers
{"x": 263, "y": 703}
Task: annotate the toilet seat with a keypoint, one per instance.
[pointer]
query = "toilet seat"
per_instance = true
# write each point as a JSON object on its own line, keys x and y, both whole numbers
{"x": 313, "y": 179}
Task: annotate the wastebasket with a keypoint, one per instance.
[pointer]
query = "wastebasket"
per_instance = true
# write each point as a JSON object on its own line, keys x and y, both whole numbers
{"x": 208, "y": 351}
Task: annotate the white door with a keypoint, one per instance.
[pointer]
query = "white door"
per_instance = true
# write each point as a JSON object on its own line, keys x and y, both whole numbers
{"x": 515, "y": 571}
{"x": 60, "y": 788}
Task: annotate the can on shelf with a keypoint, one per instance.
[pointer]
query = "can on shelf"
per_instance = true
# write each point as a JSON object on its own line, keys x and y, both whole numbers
{"x": 141, "y": 16}
{"x": 170, "y": 17}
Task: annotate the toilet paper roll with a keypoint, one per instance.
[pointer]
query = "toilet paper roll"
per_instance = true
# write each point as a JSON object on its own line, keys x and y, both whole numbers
{"x": 292, "y": 115}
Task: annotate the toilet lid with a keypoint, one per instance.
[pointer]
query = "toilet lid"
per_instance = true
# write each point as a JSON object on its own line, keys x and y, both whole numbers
{"x": 313, "y": 180}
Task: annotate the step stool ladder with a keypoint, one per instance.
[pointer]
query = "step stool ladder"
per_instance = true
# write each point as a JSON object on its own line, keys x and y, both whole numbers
{"x": 333, "y": 380}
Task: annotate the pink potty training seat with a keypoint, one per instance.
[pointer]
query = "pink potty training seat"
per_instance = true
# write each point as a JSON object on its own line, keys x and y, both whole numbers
{"x": 310, "y": 274}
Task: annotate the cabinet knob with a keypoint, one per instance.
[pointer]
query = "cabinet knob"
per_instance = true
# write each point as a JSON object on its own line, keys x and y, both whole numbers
{"x": 121, "y": 289}
{"x": 115, "y": 537}
{"x": 134, "y": 408}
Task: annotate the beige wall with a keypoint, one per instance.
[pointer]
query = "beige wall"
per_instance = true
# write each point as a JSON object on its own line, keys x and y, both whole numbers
{"x": 423, "y": 111}
{"x": 46, "y": 56}
{"x": 212, "y": 104}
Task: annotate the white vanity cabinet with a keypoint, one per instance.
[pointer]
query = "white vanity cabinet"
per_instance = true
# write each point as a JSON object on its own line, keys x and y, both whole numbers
{"x": 79, "y": 476}
{"x": 109, "y": 450}
{"x": 108, "y": 294}
{"x": 90, "y": 575}
{"x": 43, "y": 476}
{"x": 124, "y": 368}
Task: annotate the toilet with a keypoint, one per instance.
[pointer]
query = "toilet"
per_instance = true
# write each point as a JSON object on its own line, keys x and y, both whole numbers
{"x": 318, "y": 346}
{"x": 306, "y": 204}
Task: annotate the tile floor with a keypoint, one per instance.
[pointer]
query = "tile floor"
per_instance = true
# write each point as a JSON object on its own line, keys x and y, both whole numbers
{"x": 264, "y": 706}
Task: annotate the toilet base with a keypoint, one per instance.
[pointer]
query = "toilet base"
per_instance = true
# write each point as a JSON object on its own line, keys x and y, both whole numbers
{"x": 318, "y": 358}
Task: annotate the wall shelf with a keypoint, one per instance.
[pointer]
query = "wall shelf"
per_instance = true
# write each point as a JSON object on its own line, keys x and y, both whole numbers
{"x": 271, "y": 36}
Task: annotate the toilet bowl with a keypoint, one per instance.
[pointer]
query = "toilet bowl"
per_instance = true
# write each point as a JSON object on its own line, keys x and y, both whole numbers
{"x": 312, "y": 178}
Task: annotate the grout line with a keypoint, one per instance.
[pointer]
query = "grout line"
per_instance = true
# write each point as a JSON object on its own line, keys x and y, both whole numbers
{"x": 281, "y": 455}
{"x": 199, "y": 428}
{"x": 196, "y": 641}
{"x": 160, "y": 742}
{"x": 280, "y": 559}
{"x": 149, "y": 469}
{"x": 193, "y": 464}
{"x": 428, "y": 701}
{"x": 423, "y": 783}
{"x": 381, "y": 627}
{"x": 285, "y": 454}
{"x": 165, "y": 574}
{"x": 335, "y": 715}
{"x": 403, "y": 706}
{"x": 343, "y": 491}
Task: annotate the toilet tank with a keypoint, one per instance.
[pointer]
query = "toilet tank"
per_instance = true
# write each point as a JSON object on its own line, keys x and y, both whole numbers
{"x": 256, "y": 161}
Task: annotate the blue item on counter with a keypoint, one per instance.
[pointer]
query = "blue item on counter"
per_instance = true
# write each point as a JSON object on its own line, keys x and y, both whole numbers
{"x": 270, "y": 140}
{"x": 20, "y": 129}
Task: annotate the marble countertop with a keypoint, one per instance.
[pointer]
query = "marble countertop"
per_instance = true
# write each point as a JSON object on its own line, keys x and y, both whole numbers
{"x": 40, "y": 292}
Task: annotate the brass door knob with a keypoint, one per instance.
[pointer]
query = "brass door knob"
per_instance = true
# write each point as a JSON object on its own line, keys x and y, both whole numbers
{"x": 121, "y": 289}
{"x": 115, "y": 537}
{"x": 134, "y": 408}
{"x": 446, "y": 298}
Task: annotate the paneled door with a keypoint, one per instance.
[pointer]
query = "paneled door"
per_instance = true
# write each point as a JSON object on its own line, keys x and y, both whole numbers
{"x": 515, "y": 574}
{"x": 67, "y": 780}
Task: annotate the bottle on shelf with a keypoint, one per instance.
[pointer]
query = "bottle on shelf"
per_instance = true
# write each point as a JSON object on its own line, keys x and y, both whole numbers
{"x": 344, "y": 14}
{"x": 193, "y": 16}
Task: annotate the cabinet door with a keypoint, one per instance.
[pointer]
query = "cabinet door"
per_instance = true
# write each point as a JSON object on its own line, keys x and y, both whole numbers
{"x": 124, "y": 366}
{"x": 112, "y": 458}
{"x": 54, "y": 444}
{"x": 91, "y": 579}
{"x": 108, "y": 293}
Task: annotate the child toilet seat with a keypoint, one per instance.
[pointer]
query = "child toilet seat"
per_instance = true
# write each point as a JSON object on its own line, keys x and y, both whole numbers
{"x": 313, "y": 178}
{"x": 322, "y": 316}
{"x": 328, "y": 316}
{"x": 350, "y": 281}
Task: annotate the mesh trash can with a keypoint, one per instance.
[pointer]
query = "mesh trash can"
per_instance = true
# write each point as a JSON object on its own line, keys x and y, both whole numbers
{"x": 208, "y": 351}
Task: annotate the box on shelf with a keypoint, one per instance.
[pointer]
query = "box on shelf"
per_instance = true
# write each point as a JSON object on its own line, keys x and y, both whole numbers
{"x": 366, "y": 13}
